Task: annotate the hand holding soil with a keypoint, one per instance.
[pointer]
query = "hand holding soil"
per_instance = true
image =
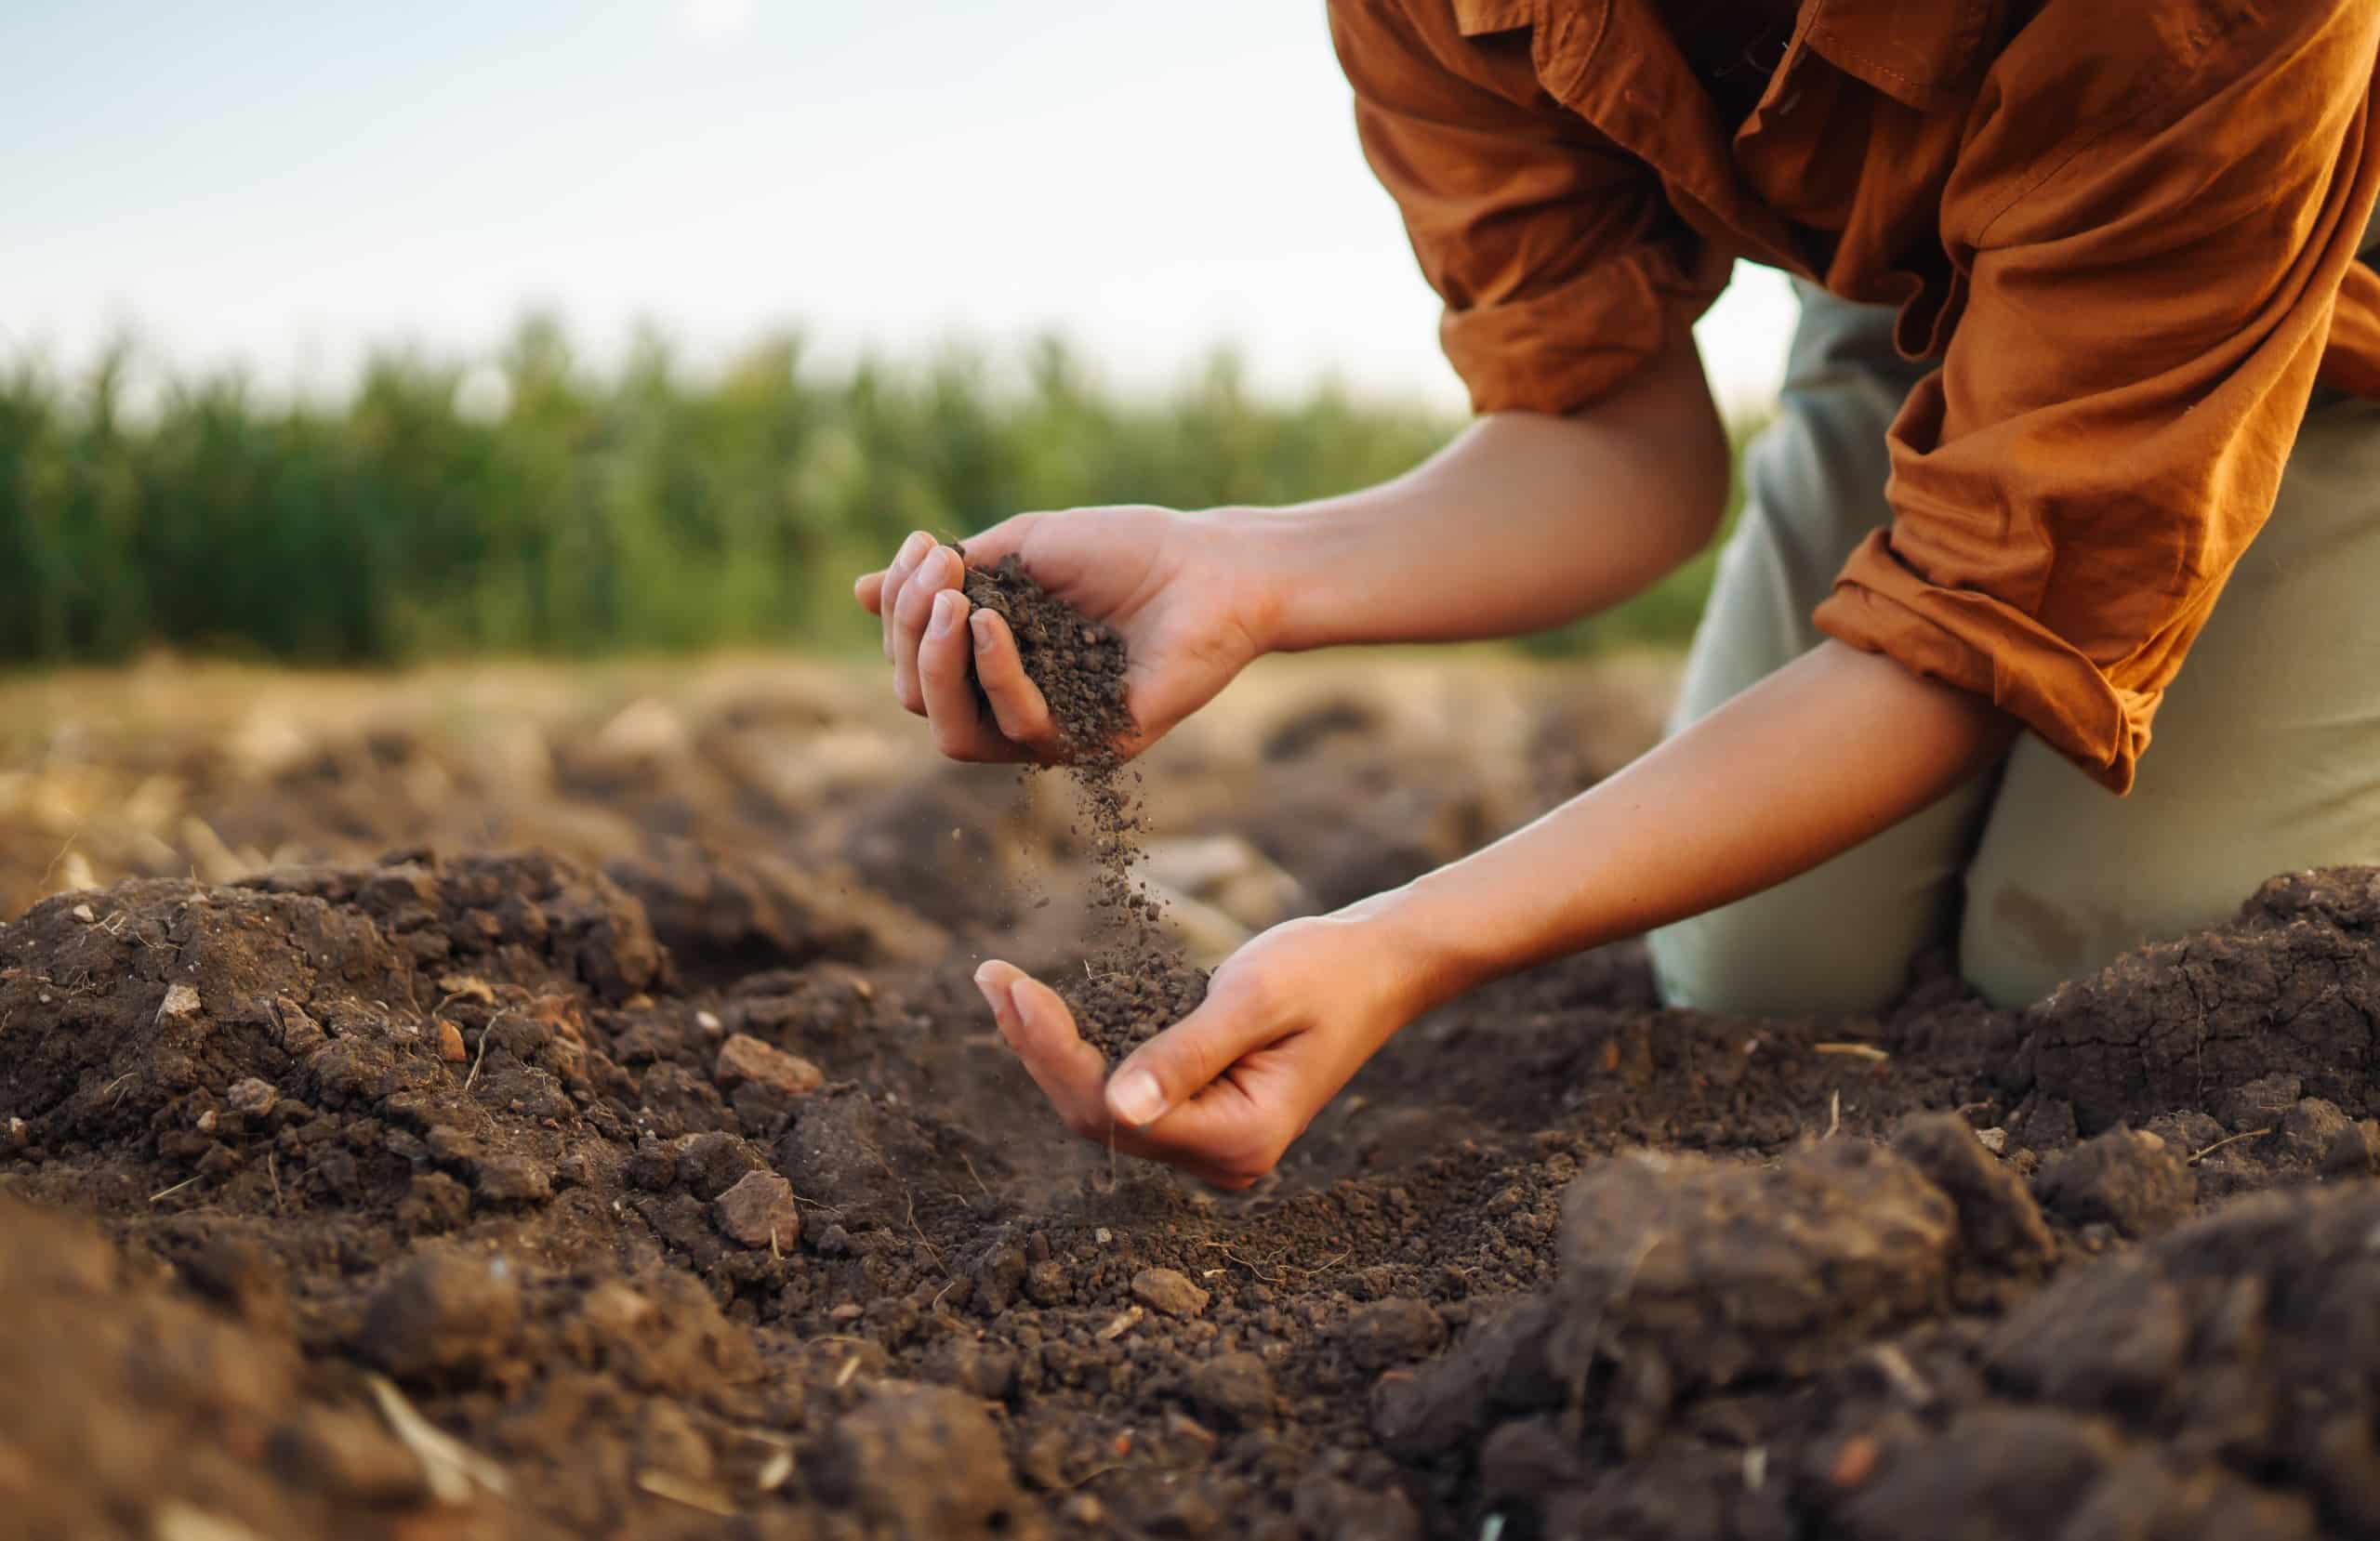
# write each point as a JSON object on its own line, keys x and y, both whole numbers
{"x": 1178, "y": 590}
{"x": 1215, "y": 1077}
{"x": 1286, "y": 1022}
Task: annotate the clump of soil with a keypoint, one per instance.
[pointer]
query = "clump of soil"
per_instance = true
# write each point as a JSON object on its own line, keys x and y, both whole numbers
{"x": 1135, "y": 983}
{"x": 2290, "y": 989}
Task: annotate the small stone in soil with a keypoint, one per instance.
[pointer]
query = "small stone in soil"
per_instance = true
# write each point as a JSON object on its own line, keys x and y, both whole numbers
{"x": 1168, "y": 1291}
{"x": 759, "y": 1211}
{"x": 744, "y": 1059}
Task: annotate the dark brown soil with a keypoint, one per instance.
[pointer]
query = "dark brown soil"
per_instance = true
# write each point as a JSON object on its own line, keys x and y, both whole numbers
{"x": 694, "y": 1198}
{"x": 1134, "y": 983}
{"x": 1078, "y": 662}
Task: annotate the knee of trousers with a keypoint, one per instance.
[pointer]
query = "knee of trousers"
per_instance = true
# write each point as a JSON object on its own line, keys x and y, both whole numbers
{"x": 1838, "y": 940}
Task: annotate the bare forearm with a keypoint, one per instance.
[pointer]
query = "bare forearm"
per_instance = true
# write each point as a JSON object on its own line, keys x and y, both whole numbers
{"x": 1826, "y": 752}
{"x": 1524, "y": 522}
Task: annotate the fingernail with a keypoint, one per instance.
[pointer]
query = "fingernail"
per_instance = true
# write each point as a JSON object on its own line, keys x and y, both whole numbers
{"x": 914, "y": 550}
{"x": 945, "y": 612}
{"x": 1137, "y": 1098}
{"x": 981, "y": 624}
{"x": 995, "y": 996}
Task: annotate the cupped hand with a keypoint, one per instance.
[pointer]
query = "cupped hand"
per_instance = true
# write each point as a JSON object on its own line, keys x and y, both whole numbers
{"x": 1287, "y": 1021}
{"x": 1193, "y": 606}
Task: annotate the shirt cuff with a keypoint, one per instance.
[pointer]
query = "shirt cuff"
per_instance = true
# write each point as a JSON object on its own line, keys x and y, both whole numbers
{"x": 1983, "y": 645}
{"x": 1562, "y": 349}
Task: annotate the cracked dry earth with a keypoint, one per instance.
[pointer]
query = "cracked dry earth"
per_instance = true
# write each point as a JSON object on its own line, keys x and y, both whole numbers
{"x": 470, "y": 1194}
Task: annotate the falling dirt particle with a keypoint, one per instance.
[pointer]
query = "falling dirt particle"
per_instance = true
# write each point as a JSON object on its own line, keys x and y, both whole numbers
{"x": 1855, "y": 1463}
{"x": 181, "y": 1002}
{"x": 450, "y": 1043}
{"x": 708, "y": 1022}
{"x": 773, "y": 1474}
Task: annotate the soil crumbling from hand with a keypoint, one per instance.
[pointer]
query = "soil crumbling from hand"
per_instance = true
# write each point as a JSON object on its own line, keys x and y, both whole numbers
{"x": 1135, "y": 982}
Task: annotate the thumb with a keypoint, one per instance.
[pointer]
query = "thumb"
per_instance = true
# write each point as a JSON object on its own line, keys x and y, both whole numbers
{"x": 1002, "y": 539}
{"x": 1180, "y": 1062}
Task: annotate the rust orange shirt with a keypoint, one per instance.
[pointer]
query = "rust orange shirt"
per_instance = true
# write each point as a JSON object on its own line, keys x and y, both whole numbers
{"x": 2128, "y": 231}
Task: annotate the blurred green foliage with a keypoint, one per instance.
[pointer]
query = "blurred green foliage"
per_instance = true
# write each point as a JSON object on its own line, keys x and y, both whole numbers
{"x": 572, "y": 514}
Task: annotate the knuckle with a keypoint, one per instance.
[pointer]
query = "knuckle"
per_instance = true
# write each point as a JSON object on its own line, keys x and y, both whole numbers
{"x": 1253, "y": 994}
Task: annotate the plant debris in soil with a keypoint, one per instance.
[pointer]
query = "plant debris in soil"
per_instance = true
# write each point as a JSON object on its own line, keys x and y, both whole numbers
{"x": 1135, "y": 982}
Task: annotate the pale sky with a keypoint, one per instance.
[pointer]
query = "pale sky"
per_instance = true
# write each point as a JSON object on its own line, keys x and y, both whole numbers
{"x": 282, "y": 185}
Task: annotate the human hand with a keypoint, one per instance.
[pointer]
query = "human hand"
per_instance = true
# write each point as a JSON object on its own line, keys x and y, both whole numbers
{"x": 1287, "y": 1020}
{"x": 1194, "y": 606}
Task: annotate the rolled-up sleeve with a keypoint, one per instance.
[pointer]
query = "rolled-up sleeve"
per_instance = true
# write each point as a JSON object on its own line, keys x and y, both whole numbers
{"x": 1562, "y": 265}
{"x": 2153, "y": 224}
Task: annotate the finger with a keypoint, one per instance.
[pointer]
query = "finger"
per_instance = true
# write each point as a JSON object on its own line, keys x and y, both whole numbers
{"x": 869, "y": 592}
{"x": 1041, "y": 1030}
{"x": 938, "y": 571}
{"x": 1002, "y": 539}
{"x": 1017, "y": 702}
{"x": 905, "y": 561}
{"x": 961, "y": 730}
{"x": 1172, "y": 1068}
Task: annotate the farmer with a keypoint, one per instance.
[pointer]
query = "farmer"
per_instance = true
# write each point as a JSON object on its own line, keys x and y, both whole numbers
{"x": 2083, "y": 318}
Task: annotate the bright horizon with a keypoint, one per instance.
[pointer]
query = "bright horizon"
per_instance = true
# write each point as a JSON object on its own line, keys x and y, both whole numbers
{"x": 284, "y": 188}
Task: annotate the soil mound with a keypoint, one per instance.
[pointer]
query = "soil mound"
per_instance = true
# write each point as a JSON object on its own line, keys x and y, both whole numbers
{"x": 1135, "y": 983}
{"x": 2291, "y": 989}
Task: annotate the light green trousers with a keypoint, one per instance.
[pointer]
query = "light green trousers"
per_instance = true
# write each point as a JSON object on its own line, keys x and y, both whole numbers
{"x": 2265, "y": 756}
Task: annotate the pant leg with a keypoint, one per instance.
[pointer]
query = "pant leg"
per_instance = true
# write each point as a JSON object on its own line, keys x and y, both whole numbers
{"x": 2265, "y": 756}
{"x": 1838, "y": 939}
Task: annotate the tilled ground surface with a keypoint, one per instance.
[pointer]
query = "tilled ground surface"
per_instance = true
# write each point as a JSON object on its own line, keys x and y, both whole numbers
{"x": 668, "y": 1181}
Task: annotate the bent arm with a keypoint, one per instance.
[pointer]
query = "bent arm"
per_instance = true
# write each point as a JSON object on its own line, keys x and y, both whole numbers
{"x": 1834, "y": 748}
{"x": 1525, "y": 522}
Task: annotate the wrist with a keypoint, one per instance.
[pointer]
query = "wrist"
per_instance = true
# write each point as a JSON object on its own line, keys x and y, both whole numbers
{"x": 1422, "y": 960}
{"x": 1287, "y": 564}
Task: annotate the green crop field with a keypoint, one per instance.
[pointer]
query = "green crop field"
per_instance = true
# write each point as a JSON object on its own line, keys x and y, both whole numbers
{"x": 650, "y": 509}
